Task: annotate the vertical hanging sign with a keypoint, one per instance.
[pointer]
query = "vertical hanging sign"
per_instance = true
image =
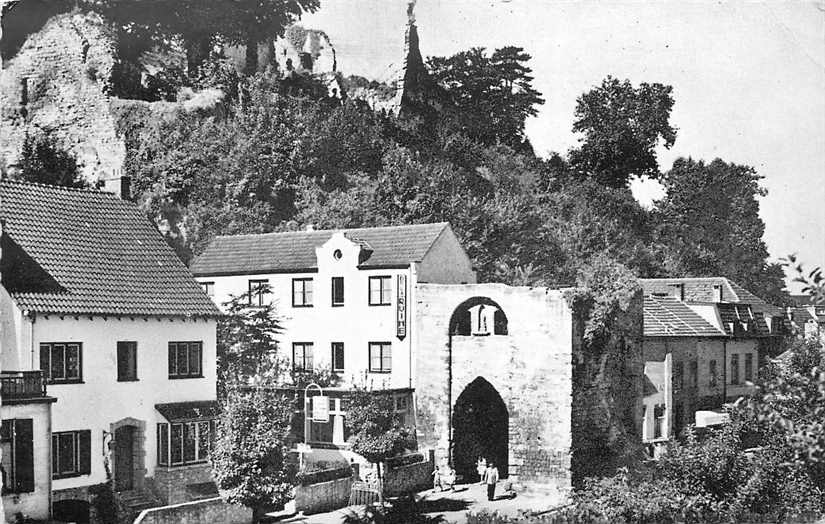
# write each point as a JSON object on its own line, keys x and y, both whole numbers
{"x": 401, "y": 312}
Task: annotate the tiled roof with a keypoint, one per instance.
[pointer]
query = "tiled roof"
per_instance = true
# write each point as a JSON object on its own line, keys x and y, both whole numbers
{"x": 703, "y": 289}
{"x": 80, "y": 251}
{"x": 292, "y": 251}
{"x": 669, "y": 317}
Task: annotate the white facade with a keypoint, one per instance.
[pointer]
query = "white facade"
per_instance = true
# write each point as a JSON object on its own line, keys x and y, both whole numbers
{"x": 99, "y": 402}
{"x": 356, "y": 323}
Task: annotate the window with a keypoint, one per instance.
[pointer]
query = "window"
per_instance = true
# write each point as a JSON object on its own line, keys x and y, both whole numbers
{"x": 712, "y": 372}
{"x": 694, "y": 374}
{"x": 126, "y": 361}
{"x": 182, "y": 443}
{"x": 380, "y": 357}
{"x": 301, "y": 292}
{"x": 185, "y": 359}
{"x": 678, "y": 376}
{"x": 61, "y": 362}
{"x": 748, "y": 367}
{"x": 380, "y": 288}
{"x": 257, "y": 292}
{"x": 338, "y": 357}
{"x": 17, "y": 468}
{"x": 302, "y": 356}
{"x": 71, "y": 454}
{"x": 208, "y": 288}
{"x": 337, "y": 291}
{"x": 734, "y": 368}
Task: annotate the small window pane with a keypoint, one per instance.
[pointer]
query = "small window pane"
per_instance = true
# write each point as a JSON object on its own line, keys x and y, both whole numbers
{"x": 189, "y": 442}
{"x": 176, "y": 444}
{"x": 173, "y": 359}
{"x": 183, "y": 358}
{"x": 163, "y": 444}
{"x": 194, "y": 359}
{"x": 58, "y": 362}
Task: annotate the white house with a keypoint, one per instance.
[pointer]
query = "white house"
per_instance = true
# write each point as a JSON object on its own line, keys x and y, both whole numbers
{"x": 108, "y": 355}
{"x": 344, "y": 297}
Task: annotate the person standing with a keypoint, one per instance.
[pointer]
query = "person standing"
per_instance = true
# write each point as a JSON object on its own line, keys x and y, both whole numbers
{"x": 481, "y": 468}
{"x": 491, "y": 477}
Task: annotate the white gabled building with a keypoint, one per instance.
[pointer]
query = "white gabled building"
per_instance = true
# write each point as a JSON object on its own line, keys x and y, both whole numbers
{"x": 107, "y": 353}
{"x": 345, "y": 298}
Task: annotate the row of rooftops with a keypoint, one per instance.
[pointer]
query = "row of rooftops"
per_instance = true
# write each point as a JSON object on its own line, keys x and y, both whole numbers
{"x": 87, "y": 252}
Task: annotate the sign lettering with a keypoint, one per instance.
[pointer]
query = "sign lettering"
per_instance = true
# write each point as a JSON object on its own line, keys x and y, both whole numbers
{"x": 401, "y": 311}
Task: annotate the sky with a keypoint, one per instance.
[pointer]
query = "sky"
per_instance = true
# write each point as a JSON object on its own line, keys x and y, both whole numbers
{"x": 748, "y": 79}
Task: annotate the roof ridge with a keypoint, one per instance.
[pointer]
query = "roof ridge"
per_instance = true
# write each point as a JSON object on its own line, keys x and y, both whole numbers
{"x": 56, "y": 187}
{"x": 343, "y": 230}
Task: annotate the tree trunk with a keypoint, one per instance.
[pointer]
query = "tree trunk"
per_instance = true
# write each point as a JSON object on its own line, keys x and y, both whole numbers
{"x": 251, "y": 65}
{"x": 257, "y": 513}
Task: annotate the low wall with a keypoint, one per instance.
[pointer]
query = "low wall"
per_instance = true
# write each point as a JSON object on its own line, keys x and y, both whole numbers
{"x": 409, "y": 478}
{"x": 325, "y": 496}
{"x": 208, "y": 511}
{"x": 170, "y": 484}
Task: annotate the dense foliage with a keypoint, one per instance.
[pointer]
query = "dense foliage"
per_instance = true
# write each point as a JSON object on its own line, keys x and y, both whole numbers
{"x": 249, "y": 460}
{"x": 278, "y": 159}
{"x": 376, "y": 432}
{"x": 708, "y": 223}
{"x": 43, "y": 161}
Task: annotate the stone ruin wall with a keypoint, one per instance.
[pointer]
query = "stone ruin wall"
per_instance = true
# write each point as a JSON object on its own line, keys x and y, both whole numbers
{"x": 57, "y": 84}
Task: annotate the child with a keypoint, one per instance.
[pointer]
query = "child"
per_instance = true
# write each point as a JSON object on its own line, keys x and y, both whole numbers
{"x": 481, "y": 467}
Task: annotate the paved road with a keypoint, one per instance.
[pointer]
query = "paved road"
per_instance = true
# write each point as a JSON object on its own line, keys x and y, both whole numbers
{"x": 454, "y": 505}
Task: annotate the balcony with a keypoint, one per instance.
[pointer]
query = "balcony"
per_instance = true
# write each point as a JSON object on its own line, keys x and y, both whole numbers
{"x": 22, "y": 385}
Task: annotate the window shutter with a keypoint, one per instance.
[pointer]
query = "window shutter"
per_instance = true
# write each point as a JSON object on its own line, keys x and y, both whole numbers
{"x": 23, "y": 455}
{"x": 85, "y": 445}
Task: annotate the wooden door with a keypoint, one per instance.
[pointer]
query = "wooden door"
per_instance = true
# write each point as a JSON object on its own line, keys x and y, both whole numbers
{"x": 124, "y": 458}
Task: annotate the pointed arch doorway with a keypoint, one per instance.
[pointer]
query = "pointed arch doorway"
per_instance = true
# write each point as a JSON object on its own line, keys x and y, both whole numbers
{"x": 480, "y": 429}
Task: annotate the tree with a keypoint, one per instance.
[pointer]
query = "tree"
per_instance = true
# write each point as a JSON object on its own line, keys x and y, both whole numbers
{"x": 43, "y": 161}
{"x": 249, "y": 460}
{"x": 709, "y": 225}
{"x": 487, "y": 97}
{"x": 376, "y": 432}
{"x": 622, "y": 125}
{"x": 246, "y": 345}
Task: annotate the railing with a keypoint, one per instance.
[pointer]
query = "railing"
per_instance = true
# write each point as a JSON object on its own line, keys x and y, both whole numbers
{"x": 22, "y": 384}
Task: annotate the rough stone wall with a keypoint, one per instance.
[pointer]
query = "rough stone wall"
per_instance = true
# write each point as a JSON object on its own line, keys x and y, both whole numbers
{"x": 530, "y": 367}
{"x": 207, "y": 511}
{"x": 409, "y": 478}
{"x": 169, "y": 484}
{"x": 608, "y": 379}
{"x": 57, "y": 83}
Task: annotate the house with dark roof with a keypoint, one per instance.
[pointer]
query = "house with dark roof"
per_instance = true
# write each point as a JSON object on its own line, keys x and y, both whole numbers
{"x": 806, "y": 318}
{"x": 346, "y": 298}
{"x": 103, "y": 328}
{"x": 704, "y": 340}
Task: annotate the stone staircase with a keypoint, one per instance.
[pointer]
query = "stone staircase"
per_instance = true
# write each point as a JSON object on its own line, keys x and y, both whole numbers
{"x": 132, "y": 502}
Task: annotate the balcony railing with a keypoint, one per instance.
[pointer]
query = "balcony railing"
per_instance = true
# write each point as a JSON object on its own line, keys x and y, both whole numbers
{"x": 22, "y": 384}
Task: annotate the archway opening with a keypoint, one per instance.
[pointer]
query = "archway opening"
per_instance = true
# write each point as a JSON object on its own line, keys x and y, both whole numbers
{"x": 480, "y": 429}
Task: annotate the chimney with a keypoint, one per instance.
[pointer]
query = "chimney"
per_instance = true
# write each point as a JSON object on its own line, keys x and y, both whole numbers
{"x": 118, "y": 184}
{"x": 717, "y": 293}
{"x": 678, "y": 291}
